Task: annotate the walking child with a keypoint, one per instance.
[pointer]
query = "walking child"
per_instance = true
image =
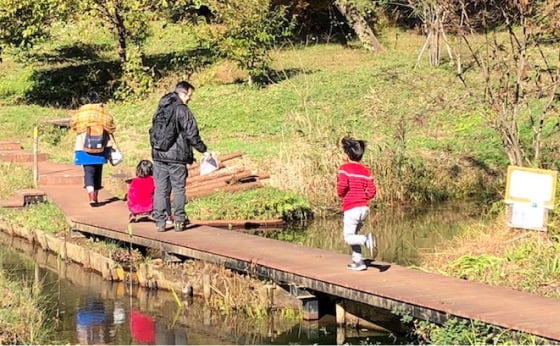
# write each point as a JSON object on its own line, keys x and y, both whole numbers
{"x": 356, "y": 187}
{"x": 140, "y": 196}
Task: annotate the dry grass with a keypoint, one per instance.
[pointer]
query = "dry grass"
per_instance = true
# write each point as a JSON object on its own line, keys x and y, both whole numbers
{"x": 480, "y": 239}
{"x": 230, "y": 291}
{"x": 21, "y": 318}
{"x": 520, "y": 259}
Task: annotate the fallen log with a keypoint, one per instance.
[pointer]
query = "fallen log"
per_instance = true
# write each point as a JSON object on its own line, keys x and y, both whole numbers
{"x": 262, "y": 176}
{"x": 231, "y": 188}
{"x": 222, "y": 181}
{"x": 215, "y": 186}
{"x": 245, "y": 224}
{"x": 214, "y": 175}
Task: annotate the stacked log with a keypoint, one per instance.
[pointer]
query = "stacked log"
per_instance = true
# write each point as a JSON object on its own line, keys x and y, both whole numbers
{"x": 225, "y": 179}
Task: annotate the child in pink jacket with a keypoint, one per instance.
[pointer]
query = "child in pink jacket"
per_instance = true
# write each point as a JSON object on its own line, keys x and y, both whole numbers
{"x": 140, "y": 196}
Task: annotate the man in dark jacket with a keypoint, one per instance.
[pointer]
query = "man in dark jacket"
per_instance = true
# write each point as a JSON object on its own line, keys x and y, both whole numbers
{"x": 170, "y": 170}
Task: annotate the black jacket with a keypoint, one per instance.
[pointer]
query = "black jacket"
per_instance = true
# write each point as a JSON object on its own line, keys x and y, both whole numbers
{"x": 188, "y": 137}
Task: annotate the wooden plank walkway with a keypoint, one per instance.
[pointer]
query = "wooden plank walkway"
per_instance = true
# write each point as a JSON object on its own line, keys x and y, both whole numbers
{"x": 423, "y": 295}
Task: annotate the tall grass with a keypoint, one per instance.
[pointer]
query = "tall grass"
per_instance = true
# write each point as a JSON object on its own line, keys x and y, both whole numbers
{"x": 22, "y": 320}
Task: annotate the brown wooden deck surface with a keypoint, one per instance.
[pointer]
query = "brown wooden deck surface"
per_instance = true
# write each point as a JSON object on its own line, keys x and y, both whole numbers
{"x": 423, "y": 295}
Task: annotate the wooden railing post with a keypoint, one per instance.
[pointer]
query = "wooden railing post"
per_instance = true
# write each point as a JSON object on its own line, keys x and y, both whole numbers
{"x": 35, "y": 156}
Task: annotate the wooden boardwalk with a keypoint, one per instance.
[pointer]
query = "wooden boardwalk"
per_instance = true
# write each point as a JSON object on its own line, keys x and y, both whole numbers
{"x": 423, "y": 295}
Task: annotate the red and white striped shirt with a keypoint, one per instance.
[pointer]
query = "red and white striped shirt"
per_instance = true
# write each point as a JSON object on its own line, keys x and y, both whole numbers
{"x": 355, "y": 185}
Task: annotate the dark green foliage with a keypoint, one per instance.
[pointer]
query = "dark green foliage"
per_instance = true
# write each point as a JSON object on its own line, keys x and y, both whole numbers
{"x": 23, "y": 22}
{"x": 65, "y": 86}
{"x": 316, "y": 21}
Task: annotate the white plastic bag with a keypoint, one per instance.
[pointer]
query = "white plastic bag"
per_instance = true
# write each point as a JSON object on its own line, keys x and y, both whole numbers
{"x": 209, "y": 163}
{"x": 116, "y": 157}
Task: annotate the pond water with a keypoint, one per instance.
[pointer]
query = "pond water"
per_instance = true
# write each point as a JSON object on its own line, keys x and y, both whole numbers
{"x": 401, "y": 233}
{"x": 89, "y": 310}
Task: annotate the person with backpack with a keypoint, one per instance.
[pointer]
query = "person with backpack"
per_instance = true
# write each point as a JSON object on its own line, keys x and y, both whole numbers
{"x": 94, "y": 126}
{"x": 173, "y": 135}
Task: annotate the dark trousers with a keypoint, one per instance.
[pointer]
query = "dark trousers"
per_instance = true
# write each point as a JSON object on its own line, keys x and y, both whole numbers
{"x": 92, "y": 176}
{"x": 169, "y": 177}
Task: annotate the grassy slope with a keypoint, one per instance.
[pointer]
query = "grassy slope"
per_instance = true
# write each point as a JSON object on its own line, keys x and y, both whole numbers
{"x": 290, "y": 128}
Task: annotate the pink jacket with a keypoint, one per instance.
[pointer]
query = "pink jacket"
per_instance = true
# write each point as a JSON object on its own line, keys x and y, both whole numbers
{"x": 141, "y": 195}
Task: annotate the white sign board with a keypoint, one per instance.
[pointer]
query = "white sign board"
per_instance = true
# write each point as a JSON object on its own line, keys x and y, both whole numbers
{"x": 528, "y": 215}
{"x": 530, "y": 186}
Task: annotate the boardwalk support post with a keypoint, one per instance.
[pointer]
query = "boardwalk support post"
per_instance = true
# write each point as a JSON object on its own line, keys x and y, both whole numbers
{"x": 270, "y": 296}
{"x": 340, "y": 314}
{"x": 310, "y": 303}
{"x": 206, "y": 289}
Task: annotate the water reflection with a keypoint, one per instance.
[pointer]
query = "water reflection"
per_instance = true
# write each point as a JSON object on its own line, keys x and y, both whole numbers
{"x": 401, "y": 233}
{"x": 90, "y": 323}
{"x": 88, "y": 310}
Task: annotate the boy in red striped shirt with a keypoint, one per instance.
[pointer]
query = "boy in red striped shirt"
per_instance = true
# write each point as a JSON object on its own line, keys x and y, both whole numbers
{"x": 356, "y": 188}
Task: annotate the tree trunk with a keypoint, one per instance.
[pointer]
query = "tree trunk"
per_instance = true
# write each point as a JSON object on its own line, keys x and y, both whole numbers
{"x": 512, "y": 146}
{"x": 360, "y": 26}
{"x": 112, "y": 15}
{"x": 121, "y": 33}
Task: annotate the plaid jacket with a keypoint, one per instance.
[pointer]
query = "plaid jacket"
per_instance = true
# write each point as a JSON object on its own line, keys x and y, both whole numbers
{"x": 87, "y": 115}
{"x": 92, "y": 114}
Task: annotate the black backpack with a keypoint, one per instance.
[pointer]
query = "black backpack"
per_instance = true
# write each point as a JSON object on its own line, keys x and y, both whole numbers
{"x": 164, "y": 132}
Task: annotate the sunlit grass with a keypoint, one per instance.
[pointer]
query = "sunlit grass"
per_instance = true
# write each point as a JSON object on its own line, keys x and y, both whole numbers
{"x": 521, "y": 259}
{"x": 14, "y": 177}
{"x": 291, "y": 128}
{"x": 46, "y": 217}
{"x": 257, "y": 204}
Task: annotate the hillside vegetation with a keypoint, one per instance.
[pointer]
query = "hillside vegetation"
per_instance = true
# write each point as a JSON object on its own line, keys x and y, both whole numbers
{"x": 426, "y": 140}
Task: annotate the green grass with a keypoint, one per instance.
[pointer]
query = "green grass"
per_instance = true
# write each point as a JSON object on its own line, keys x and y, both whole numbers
{"x": 46, "y": 217}
{"x": 463, "y": 332}
{"x": 262, "y": 204}
{"x": 292, "y": 127}
{"x": 14, "y": 177}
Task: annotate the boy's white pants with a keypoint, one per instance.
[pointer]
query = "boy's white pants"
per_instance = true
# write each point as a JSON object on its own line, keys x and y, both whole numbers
{"x": 353, "y": 222}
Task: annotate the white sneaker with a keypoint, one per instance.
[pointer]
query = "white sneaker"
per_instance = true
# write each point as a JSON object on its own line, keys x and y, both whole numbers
{"x": 358, "y": 266}
{"x": 371, "y": 244}
{"x": 169, "y": 221}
